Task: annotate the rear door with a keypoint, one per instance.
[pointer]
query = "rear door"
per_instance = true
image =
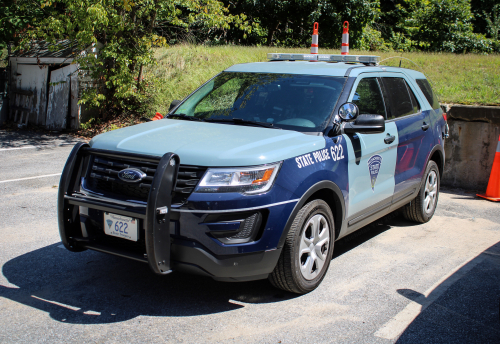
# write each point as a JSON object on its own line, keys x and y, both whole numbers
{"x": 372, "y": 157}
{"x": 404, "y": 110}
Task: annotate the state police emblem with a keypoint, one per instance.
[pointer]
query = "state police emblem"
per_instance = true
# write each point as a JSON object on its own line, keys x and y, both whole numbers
{"x": 374, "y": 167}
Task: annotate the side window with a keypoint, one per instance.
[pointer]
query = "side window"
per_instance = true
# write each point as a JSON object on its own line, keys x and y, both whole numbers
{"x": 368, "y": 97}
{"x": 400, "y": 97}
{"x": 428, "y": 93}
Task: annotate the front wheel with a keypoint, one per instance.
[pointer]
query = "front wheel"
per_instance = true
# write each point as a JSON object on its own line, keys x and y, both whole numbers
{"x": 422, "y": 208}
{"x": 307, "y": 250}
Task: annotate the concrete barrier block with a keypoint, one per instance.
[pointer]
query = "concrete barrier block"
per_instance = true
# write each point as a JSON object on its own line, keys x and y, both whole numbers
{"x": 470, "y": 151}
{"x": 471, "y": 113}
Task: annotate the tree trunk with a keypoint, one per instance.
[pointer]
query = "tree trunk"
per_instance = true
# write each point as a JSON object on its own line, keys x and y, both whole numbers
{"x": 270, "y": 33}
{"x": 150, "y": 30}
{"x": 139, "y": 79}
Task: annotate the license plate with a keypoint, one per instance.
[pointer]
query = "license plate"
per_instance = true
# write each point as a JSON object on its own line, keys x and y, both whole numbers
{"x": 120, "y": 226}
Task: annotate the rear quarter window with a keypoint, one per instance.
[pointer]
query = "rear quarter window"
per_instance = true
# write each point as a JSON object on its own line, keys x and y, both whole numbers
{"x": 428, "y": 93}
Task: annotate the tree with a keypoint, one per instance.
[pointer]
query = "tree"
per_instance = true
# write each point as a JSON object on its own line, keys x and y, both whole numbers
{"x": 290, "y": 22}
{"x": 125, "y": 33}
{"x": 15, "y": 16}
{"x": 493, "y": 22}
{"x": 481, "y": 9}
{"x": 432, "y": 25}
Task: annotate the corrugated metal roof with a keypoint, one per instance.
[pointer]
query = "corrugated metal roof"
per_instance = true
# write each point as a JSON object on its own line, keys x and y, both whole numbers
{"x": 64, "y": 48}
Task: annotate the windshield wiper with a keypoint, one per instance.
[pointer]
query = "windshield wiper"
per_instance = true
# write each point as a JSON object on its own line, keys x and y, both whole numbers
{"x": 186, "y": 117}
{"x": 242, "y": 121}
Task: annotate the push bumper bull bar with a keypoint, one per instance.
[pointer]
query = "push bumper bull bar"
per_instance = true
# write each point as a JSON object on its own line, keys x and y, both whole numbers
{"x": 155, "y": 215}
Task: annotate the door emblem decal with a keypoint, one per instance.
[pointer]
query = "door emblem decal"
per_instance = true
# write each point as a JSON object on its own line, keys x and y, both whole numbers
{"x": 374, "y": 167}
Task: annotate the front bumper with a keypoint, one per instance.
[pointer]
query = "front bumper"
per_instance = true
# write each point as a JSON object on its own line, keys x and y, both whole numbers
{"x": 182, "y": 239}
{"x": 156, "y": 223}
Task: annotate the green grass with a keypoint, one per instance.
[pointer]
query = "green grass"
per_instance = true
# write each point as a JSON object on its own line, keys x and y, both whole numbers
{"x": 458, "y": 79}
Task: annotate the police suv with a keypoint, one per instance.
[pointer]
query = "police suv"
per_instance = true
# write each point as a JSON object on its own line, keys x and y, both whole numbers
{"x": 260, "y": 170}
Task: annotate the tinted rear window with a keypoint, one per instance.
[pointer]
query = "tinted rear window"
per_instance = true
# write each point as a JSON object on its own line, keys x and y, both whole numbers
{"x": 428, "y": 93}
{"x": 398, "y": 97}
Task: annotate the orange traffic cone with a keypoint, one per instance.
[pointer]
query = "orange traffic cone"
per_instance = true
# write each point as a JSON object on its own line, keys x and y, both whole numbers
{"x": 493, "y": 189}
{"x": 314, "y": 43}
{"x": 345, "y": 38}
{"x": 157, "y": 116}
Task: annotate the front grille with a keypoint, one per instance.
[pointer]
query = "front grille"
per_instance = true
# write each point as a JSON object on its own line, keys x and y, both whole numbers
{"x": 103, "y": 178}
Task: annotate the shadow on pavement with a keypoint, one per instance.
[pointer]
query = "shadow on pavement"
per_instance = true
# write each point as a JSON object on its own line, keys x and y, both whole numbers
{"x": 464, "y": 308}
{"x": 95, "y": 288}
{"x": 19, "y": 138}
{"x": 369, "y": 232}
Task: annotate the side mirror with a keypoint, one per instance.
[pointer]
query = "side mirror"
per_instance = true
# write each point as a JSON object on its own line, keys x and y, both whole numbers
{"x": 173, "y": 104}
{"x": 348, "y": 112}
{"x": 366, "y": 124}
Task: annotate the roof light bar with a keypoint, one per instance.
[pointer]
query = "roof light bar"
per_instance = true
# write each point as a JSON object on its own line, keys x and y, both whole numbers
{"x": 284, "y": 57}
{"x": 371, "y": 59}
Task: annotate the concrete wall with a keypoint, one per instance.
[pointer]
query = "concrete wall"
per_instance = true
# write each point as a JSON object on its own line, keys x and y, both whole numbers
{"x": 470, "y": 149}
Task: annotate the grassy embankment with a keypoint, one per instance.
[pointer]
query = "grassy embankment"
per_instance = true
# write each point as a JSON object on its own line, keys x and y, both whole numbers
{"x": 459, "y": 79}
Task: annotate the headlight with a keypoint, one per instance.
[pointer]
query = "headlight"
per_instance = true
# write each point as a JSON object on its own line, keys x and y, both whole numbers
{"x": 248, "y": 180}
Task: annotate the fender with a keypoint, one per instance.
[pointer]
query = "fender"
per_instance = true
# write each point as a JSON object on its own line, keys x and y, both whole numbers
{"x": 442, "y": 155}
{"x": 437, "y": 148}
{"x": 338, "y": 212}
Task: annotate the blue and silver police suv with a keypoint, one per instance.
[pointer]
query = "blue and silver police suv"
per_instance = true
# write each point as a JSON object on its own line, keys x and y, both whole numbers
{"x": 260, "y": 170}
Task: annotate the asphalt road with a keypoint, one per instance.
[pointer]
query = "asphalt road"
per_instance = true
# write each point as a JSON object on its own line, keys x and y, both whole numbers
{"x": 394, "y": 282}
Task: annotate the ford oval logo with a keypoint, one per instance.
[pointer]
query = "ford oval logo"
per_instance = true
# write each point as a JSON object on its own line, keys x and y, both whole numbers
{"x": 131, "y": 175}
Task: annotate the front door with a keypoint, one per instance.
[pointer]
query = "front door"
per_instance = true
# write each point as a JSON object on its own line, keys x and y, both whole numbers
{"x": 372, "y": 157}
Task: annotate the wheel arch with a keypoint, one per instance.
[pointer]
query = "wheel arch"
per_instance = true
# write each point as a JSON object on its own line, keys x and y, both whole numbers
{"x": 328, "y": 192}
{"x": 437, "y": 155}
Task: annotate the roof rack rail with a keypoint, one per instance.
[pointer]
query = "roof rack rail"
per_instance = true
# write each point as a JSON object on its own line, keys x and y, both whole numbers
{"x": 365, "y": 59}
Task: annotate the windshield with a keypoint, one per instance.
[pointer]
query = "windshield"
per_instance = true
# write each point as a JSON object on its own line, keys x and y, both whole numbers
{"x": 287, "y": 101}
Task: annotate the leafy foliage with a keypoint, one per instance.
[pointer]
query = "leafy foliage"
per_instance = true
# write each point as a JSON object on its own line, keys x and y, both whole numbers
{"x": 116, "y": 38}
{"x": 15, "y": 16}
{"x": 493, "y": 21}
{"x": 433, "y": 25}
{"x": 289, "y": 23}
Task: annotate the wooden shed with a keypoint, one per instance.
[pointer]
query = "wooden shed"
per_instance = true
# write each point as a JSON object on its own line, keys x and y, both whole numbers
{"x": 44, "y": 85}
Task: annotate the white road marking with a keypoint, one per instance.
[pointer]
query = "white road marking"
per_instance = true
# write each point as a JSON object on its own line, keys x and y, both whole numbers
{"x": 26, "y": 147}
{"x": 39, "y": 147}
{"x": 91, "y": 313}
{"x": 16, "y": 180}
{"x": 57, "y": 303}
{"x": 397, "y": 325}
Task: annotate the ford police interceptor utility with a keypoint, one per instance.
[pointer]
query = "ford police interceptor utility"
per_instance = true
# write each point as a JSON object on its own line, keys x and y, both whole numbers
{"x": 260, "y": 170}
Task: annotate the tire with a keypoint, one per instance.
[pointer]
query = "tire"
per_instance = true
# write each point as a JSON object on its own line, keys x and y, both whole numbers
{"x": 422, "y": 208}
{"x": 312, "y": 233}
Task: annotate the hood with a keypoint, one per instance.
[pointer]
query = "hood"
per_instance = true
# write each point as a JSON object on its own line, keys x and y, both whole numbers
{"x": 209, "y": 144}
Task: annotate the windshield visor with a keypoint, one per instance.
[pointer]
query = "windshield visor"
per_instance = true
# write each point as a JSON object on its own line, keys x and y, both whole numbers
{"x": 288, "y": 101}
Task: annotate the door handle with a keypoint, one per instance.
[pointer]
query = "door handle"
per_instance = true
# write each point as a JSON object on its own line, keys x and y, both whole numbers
{"x": 389, "y": 139}
{"x": 425, "y": 126}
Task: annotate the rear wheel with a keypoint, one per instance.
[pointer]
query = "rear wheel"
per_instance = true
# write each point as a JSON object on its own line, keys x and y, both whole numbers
{"x": 307, "y": 250}
{"x": 422, "y": 208}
